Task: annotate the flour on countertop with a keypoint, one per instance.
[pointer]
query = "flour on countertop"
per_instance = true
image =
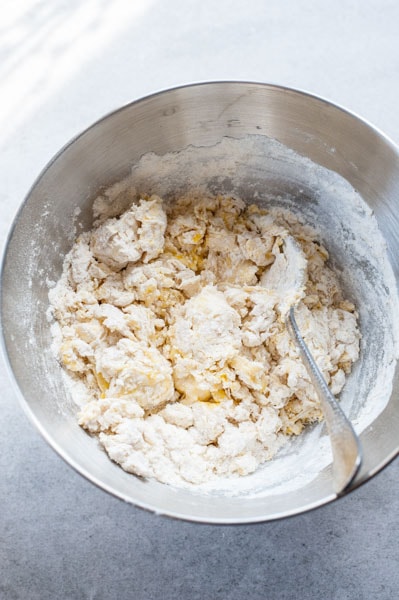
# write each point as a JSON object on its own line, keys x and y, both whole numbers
{"x": 165, "y": 315}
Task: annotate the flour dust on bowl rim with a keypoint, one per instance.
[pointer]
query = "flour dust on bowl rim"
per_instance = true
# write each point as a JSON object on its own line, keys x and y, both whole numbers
{"x": 290, "y": 148}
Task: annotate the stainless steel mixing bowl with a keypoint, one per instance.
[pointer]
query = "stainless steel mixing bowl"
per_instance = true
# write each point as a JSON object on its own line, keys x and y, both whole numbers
{"x": 42, "y": 233}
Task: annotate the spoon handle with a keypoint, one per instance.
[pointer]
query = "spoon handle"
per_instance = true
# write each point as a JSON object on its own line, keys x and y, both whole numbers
{"x": 345, "y": 444}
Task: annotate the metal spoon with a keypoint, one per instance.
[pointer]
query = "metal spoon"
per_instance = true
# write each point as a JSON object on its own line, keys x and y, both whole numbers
{"x": 287, "y": 277}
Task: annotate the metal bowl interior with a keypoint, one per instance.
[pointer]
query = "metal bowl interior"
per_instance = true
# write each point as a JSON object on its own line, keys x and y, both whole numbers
{"x": 198, "y": 115}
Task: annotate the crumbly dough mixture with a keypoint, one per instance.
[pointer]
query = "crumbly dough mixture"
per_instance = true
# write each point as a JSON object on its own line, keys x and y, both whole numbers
{"x": 167, "y": 317}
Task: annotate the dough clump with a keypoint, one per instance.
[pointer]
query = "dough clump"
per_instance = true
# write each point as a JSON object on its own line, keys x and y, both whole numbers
{"x": 167, "y": 319}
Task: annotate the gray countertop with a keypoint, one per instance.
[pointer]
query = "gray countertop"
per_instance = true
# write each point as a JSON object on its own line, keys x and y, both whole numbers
{"x": 63, "y": 65}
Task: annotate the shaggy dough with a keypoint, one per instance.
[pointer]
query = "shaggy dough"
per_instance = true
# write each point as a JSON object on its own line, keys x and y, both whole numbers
{"x": 171, "y": 317}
